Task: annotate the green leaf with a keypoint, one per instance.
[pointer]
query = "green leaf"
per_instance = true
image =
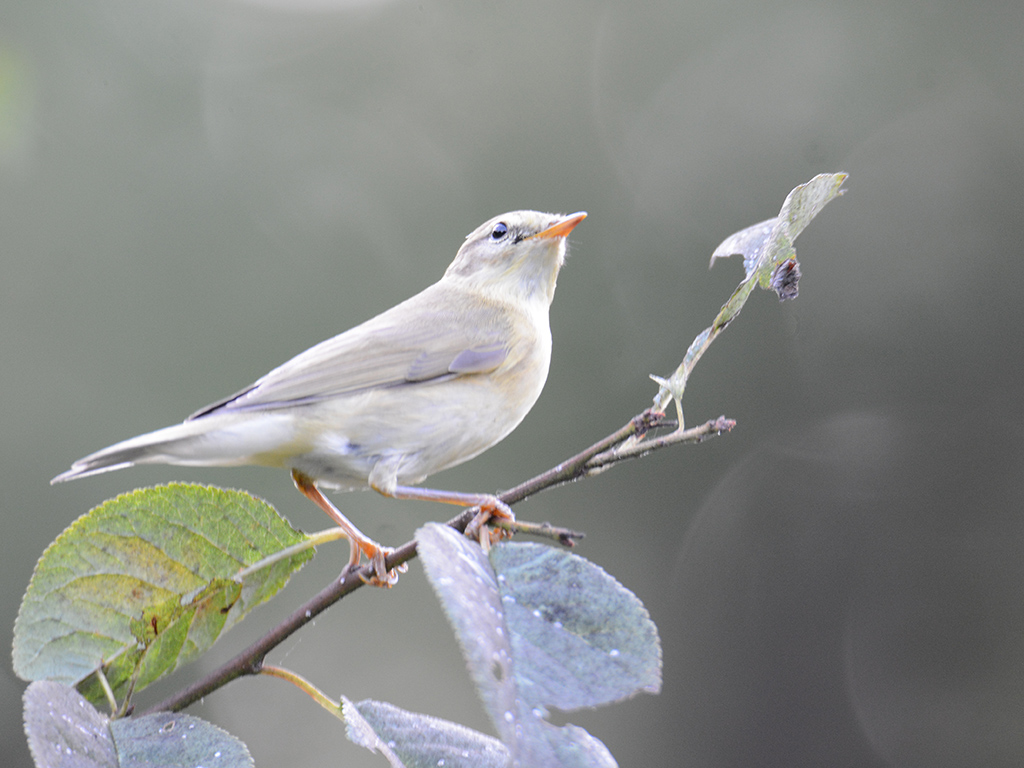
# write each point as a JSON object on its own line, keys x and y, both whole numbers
{"x": 540, "y": 627}
{"x": 64, "y": 731}
{"x": 145, "y": 582}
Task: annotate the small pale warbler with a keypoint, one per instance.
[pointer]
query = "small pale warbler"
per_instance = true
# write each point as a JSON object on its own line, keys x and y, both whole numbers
{"x": 428, "y": 384}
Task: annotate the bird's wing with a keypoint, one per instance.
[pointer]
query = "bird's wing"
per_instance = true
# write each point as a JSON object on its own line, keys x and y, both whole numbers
{"x": 386, "y": 351}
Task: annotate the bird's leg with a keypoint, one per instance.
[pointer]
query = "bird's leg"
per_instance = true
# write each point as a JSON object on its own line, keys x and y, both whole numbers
{"x": 359, "y": 542}
{"x": 490, "y": 505}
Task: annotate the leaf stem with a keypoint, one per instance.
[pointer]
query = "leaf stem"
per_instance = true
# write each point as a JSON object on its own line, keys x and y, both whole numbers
{"x": 312, "y": 541}
{"x": 304, "y": 685}
{"x": 105, "y": 685}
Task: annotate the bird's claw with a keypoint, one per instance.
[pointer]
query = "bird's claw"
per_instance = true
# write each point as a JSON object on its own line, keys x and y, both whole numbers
{"x": 376, "y": 574}
{"x": 478, "y": 529}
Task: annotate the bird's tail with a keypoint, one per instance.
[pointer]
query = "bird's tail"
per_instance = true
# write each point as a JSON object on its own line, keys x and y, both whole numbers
{"x": 192, "y": 443}
{"x": 152, "y": 448}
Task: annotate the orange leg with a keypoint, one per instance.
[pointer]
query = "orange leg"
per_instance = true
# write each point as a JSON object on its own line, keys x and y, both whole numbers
{"x": 490, "y": 505}
{"x": 359, "y": 542}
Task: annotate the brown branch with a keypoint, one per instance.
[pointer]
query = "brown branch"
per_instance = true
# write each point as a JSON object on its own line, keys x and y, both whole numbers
{"x": 596, "y": 458}
{"x": 612, "y": 456}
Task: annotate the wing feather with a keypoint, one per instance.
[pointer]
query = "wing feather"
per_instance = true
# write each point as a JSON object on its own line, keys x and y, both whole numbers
{"x": 386, "y": 351}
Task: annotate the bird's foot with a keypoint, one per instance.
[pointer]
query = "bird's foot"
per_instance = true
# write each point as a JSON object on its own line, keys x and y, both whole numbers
{"x": 492, "y": 507}
{"x": 377, "y": 573}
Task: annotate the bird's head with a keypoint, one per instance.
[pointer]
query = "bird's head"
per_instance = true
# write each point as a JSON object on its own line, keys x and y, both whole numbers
{"x": 515, "y": 254}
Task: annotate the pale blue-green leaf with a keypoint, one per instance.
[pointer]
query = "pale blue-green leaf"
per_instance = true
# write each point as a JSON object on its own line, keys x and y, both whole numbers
{"x": 567, "y": 747}
{"x": 748, "y": 243}
{"x": 175, "y": 740}
{"x": 420, "y": 741}
{"x": 63, "y": 729}
{"x": 466, "y": 585}
{"x": 468, "y": 588}
{"x": 579, "y": 638}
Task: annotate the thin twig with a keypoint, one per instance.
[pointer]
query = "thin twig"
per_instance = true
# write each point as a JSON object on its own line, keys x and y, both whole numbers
{"x": 613, "y": 456}
{"x": 575, "y": 467}
{"x": 564, "y": 536}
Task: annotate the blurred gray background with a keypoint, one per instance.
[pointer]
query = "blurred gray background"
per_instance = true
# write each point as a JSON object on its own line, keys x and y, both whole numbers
{"x": 192, "y": 191}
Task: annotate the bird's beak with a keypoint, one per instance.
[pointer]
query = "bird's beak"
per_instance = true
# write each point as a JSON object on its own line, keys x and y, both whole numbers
{"x": 562, "y": 228}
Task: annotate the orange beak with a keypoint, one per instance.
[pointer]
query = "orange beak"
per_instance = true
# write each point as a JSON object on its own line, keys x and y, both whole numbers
{"x": 564, "y": 227}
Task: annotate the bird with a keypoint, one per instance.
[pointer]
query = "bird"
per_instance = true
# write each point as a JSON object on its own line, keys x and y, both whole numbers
{"x": 424, "y": 386}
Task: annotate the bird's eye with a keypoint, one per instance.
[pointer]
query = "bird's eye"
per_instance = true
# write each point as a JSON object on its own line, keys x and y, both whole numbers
{"x": 499, "y": 231}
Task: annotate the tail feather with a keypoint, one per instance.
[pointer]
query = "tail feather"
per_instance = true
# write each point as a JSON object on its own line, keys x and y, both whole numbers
{"x": 153, "y": 448}
{"x": 87, "y": 469}
{"x": 209, "y": 441}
